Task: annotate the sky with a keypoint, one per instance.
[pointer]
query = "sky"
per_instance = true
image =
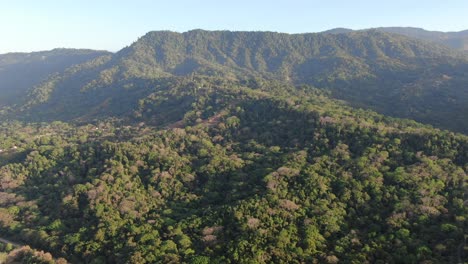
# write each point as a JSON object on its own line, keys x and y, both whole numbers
{"x": 34, "y": 25}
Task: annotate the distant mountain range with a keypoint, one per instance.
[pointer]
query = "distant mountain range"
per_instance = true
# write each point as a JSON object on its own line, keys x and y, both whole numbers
{"x": 19, "y": 72}
{"x": 390, "y": 73}
{"x": 455, "y": 40}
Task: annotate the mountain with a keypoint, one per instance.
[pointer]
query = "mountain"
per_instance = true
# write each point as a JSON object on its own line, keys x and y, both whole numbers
{"x": 454, "y": 40}
{"x": 20, "y": 72}
{"x": 337, "y": 31}
{"x": 211, "y": 170}
{"x": 389, "y": 73}
{"x": 215, "y": 147}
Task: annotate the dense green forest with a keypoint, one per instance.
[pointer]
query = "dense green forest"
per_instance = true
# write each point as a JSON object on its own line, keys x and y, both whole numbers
{"x": 388, "y": 73}
{"x": 237, "y": 147}
{"x": 212, "y": 170}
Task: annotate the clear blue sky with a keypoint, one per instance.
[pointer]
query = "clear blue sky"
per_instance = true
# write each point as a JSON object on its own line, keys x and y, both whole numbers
{"x": 31, "y": 25}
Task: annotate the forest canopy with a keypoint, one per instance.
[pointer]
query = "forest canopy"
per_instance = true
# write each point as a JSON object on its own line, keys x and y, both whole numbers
{"x": 210, "y": 170}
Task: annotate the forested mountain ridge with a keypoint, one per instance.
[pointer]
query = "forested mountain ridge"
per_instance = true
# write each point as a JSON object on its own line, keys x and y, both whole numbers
{"x": 456, "y": 40}
{"x": 214, "y": 170}
{"x": 20, "y": 72}
{"x": 389, "y": 73}
{"x": 218, "y": 147}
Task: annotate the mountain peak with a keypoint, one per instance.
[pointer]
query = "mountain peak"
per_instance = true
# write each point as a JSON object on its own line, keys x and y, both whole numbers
{"x": 337, "y": 31}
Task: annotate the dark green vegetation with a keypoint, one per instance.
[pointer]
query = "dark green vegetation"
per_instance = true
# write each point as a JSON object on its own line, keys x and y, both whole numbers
{"x": 233, "y": 174}
{"x": 209, "y": 147}
{"x": 389, "y": 73}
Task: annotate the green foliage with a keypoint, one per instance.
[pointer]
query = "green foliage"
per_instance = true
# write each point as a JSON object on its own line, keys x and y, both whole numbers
{"x": 385, "y": 72}
{"x": 209, "y": 170}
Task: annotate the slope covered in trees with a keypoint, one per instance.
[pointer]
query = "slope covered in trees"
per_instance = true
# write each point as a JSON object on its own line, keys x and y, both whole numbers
{"x": 389, "y": 73}
{"x": 20, "y": 72}
{"x": 455, "y": 40}
{"x": 211, "y": 170}
{"x": 216, "y": 147}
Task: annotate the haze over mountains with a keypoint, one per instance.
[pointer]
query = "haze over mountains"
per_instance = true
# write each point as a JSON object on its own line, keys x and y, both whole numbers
{"x": 19, "y": 72}
{"x": 236, "y": 147}
{"x": 455, "y": 40}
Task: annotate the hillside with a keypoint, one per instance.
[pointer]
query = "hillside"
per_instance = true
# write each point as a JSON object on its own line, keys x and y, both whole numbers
{"x": 455, "y": 40}
{"x": 389, "y": 73}
{"x": 212, "y": 170}
{"x": 20, "y": 72}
